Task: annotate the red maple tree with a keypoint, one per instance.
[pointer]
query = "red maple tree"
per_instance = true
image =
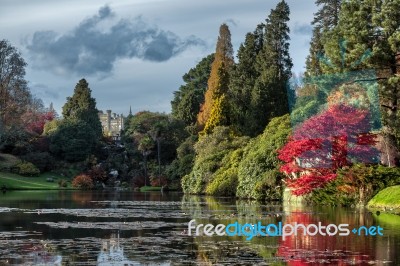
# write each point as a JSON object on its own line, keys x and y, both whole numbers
{"x": 335, "y": 138}
{"x": 35, "y": 121}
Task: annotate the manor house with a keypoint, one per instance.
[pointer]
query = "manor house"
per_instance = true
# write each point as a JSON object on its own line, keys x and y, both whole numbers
{"x": 112, "y": 123}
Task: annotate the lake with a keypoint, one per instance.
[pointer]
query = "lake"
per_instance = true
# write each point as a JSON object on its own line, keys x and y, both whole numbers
{"x": 133, "y": 228}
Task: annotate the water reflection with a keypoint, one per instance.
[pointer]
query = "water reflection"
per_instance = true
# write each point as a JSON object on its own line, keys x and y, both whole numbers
{"x": 80, "y": 228}
{"x": 42, "y": 254}
{"x": 113, "y": 254}
{"x": 338, "y": 250}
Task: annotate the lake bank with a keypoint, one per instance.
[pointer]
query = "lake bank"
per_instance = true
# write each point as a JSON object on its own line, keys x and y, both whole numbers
{"x": 45, "y": 181}
{"x": 387, "y": 200}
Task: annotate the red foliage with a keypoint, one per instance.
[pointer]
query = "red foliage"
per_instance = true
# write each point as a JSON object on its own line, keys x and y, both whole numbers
{"x": 139, "y": 181}
{"x": 158, "y": 181}
{"x": 299, "y": 249}
{"x": 35, "y": 121}
{"x": 98, "y": 174}
{"x": 82, "y": 181}
{"x": 324, "y": 143}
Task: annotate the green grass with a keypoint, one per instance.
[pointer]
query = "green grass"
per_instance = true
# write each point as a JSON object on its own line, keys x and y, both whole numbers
{"x": 388, "y": 219}
{"x": 17, "y": 182}
{"x": 149, "y": 188}
{"x": 386, "y": 198}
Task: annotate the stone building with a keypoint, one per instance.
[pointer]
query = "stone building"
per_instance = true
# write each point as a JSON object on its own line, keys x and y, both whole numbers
{"x": 112, "y": 123}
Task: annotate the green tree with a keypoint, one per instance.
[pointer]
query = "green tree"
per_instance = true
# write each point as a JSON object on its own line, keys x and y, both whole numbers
{"x": 364, "y": 26}
{"x": 218, "y": 81}
{"x": 243, "y": 77}
{"x": 270, "y": 94}
{"x": 73, "y": 140}
{"x": 184, "y": 161}
{"x": 189, "y": 97}
{"x": 326, "y": 18}
{"x": 82, "y": 106}
{"x": 154, "y": 135}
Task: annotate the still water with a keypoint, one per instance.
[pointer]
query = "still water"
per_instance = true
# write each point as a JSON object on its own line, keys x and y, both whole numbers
{"x": 132, "y": 228}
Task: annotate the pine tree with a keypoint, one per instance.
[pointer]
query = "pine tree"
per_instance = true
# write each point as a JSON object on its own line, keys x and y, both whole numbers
{"x": 243, "y": 78}
{"x": 81, "y": 106}
{"x": 219, "y": 79}
{"x": 363, "y": 26}
{"x": 325, "y": 20}
{"x": 270, "y": 94}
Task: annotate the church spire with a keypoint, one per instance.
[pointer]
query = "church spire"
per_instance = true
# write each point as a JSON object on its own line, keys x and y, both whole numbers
{"x": 130, "y": 110}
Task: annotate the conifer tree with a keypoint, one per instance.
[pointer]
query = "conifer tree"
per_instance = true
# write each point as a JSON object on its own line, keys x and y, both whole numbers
{"x": 325, "y": 19}
{"x": 270, "y": 94}
{"x": 364, "y": 26}
{"x": 218, "y": 82}
{"x": 243, "y": 78}
{"x": 82, "y": 106}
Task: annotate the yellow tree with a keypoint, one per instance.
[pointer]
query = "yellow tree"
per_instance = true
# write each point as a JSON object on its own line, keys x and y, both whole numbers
{"x": 217, "y": 83}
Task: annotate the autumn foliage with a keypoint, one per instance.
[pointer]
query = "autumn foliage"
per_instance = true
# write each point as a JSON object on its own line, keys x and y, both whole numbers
{"x": 324, "y": 143}
{"x": 82, "y": 181}
{"x": 217, "y": 83}
{"x": 34, "y": 121}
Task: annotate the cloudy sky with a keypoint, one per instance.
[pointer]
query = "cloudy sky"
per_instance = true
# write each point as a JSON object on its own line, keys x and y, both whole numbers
{"x": 132, "y": 52}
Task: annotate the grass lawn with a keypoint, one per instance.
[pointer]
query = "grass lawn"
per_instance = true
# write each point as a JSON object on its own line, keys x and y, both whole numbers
{"x": 388, "y": 198}
{"x": 388, "y": 219}
{"x": 16, "y": 182}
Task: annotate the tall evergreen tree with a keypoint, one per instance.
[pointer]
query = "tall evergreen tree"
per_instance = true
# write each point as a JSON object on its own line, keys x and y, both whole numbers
{"x": 370, "y": 25}
{"x": 217, "y": 83}
{"x": 189, "y": 97}
{"x": 82, "y": 106}
{"x": 325, "y": 19}
{"x": 243, "y": 77}
{"x": 270, "y": 94}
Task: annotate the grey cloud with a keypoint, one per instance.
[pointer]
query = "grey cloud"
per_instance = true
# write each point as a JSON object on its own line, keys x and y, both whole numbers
{"x": 231, "y": 22}
{"x": 302, "y": 29}
{"x": 43, "y": 91}
{"x": 91, "y": 49}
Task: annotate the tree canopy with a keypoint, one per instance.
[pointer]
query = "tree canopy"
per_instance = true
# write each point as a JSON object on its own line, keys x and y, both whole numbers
{"x": 212, "y": 114}
{"x": 82, "y": 106}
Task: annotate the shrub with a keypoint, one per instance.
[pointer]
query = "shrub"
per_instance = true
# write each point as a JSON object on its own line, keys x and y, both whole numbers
{"x": 138, "y": 181}
{"x": 62, "y": 183}
{"x": 42, "y": 160}
{"x": 225, "y": 180}
{"x": 97, "y": 173}
{"x": 356, "y": 184}
{"x": 224, "y": 183}
{"x": 27, "y": 169}
{"x": 210, "y": 152}
{"x": 82, "y": 181}
{"x": 8, "y": 162}
{"x": 258, "y": 177}
{"x": 158, "y": 181}
{"x": 125, "y": 184}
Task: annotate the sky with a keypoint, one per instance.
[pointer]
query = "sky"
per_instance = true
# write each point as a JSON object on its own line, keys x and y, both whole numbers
{"x": 133, "y": 53}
